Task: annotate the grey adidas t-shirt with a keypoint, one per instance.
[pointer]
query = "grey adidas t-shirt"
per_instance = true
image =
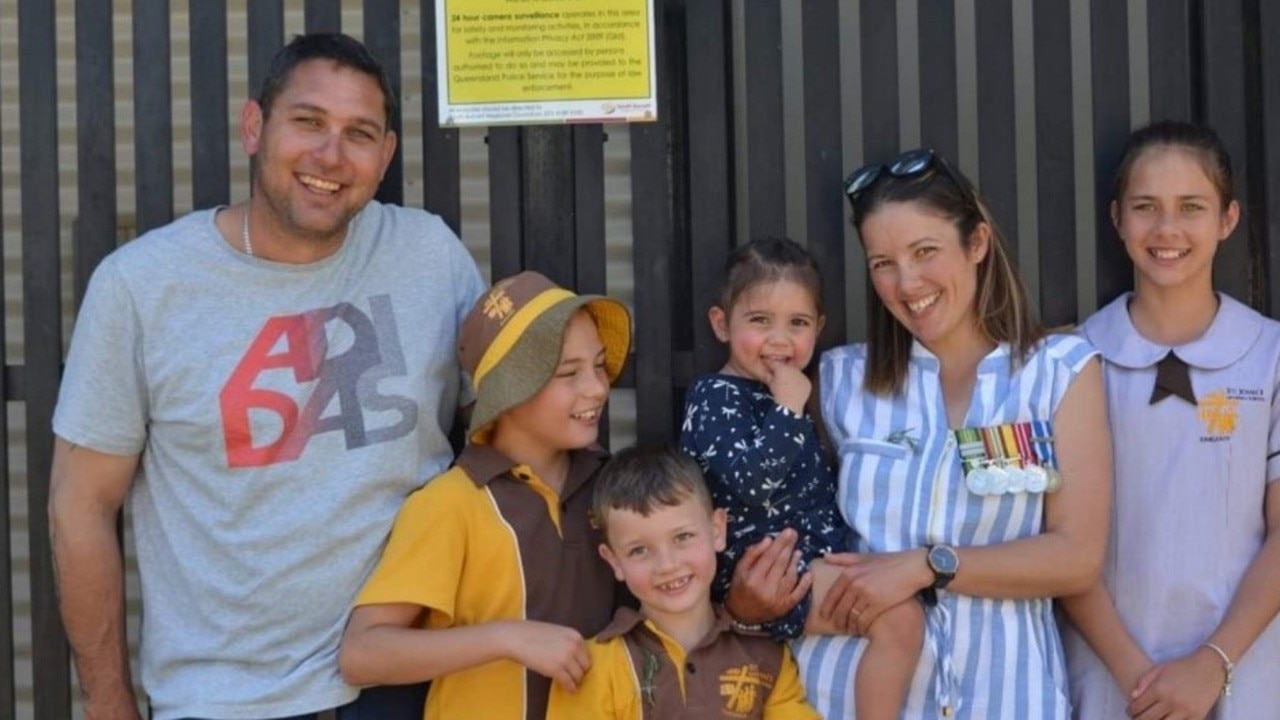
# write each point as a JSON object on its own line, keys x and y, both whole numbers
{"x": 283, "y": 413}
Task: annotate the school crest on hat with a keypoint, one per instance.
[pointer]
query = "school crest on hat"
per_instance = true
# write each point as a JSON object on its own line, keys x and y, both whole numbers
{"x": 510, "y": 341}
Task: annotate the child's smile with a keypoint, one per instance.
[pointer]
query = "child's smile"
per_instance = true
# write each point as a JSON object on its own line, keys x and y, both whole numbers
{"x": 771, "y": 323}
{"x": 668, "y": 557}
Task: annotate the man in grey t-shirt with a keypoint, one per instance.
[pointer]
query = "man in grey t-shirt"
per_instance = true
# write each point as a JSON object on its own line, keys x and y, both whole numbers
{"x": 265, "y": 383}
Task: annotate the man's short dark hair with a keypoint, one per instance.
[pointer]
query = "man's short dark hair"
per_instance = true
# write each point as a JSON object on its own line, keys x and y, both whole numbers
{"x": 642, "y": 479}
{"x": 342, "y": 49}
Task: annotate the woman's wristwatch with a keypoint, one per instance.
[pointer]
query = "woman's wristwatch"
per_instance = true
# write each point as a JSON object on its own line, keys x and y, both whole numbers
{"x": 944, "y": 562}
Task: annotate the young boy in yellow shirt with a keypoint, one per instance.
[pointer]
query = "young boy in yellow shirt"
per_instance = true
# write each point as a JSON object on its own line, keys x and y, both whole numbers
{"x": 490, "y": 579}
{"x": 680, "y": 656}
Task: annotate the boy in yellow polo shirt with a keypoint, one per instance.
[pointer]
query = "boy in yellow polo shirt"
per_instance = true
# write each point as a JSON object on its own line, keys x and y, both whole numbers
{"x": 679, "y": 657}
{"x": 490, "y": 579}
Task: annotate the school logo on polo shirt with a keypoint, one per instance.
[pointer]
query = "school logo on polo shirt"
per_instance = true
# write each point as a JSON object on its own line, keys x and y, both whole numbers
{"x": 1219, "y": 414}
{"x": 743, "y": 688}
{"x": 1220, "y": 411}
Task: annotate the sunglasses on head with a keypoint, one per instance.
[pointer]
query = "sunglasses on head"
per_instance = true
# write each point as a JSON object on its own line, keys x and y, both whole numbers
{"x": 909, "y": 163}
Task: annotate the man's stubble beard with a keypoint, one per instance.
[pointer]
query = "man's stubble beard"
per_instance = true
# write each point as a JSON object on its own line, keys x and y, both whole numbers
{"x": 281, "y": 207}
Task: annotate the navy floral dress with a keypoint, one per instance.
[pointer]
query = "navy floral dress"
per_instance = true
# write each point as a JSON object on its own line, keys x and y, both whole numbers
{"x": 764, "y": 464}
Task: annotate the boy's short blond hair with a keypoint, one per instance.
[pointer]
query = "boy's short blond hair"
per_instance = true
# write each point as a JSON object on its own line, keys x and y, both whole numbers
{"x": 643, "y": 479}
{"x": 510, "y": 342}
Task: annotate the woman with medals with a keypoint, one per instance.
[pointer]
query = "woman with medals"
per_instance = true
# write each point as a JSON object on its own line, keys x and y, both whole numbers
{"x": 975, "y": 464}
{"x": 1183, "y": 623}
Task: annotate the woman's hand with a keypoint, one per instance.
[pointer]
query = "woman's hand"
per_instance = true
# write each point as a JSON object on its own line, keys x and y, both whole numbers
{"x": 869, "y": 584}
{"x": 766, "y": 582}
{"x": 1182, "y": 689}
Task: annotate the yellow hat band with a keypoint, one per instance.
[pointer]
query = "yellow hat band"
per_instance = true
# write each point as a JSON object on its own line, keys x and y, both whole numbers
{"x": 514, "y": 328}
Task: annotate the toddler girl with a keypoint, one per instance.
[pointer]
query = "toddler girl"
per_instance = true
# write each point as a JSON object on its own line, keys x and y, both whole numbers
{"x": 748, "y": 428}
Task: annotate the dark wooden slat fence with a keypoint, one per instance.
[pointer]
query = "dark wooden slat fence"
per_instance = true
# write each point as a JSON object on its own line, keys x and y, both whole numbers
{"x": 382, "y": 36}
{"x": 1267, "y": 170}
{"x": 505, "y": 180}
{"x": 938, "y": 95}
{"x": 1225, "y": 75}
{"x": 714, "y": 170}
{"x": 997, "y": 163}
{"x": 323, "y": 16}
{"x": 266, "y": 33}
{"x": 710, "y": 162}
{"x": 42, "y": 337}
{"x": 1055, "y": 162}
{"x": 95, "y": 229}
{"x": 8, "y": 694}
{"x": 440, "y": 186}
{"x": 878, "y": 52}
{"x": 210, "y": 151}
{"x": 652, "y": 217}
{"x": 152, "y": 114}
{"x": 1173, "y": 79}
{"x": 1109, "y": 25}
{"x": 766, "y": 187}
{"x": 547, "y": 193}
{"x": 588, "y": 213}
{"x": 823, "y": 166}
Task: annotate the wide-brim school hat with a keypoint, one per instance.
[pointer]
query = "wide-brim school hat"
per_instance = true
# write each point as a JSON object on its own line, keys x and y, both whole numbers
{"x": 510, "y": 342}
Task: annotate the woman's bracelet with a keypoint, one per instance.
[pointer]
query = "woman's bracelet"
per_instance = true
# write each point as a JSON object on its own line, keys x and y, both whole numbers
{"x": 1228, "y": 667}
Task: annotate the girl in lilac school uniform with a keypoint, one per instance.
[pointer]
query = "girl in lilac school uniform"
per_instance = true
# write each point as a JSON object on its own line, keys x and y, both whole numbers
{"x": 1183, "y": 624}
{"x": 748, "y": 427}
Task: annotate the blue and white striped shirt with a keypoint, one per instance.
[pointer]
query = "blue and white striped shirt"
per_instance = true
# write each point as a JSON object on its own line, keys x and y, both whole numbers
{"x": 902, "y": 487}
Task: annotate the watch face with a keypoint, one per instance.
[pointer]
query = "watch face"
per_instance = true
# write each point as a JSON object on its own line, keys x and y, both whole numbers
{"x": 943, "y": 560}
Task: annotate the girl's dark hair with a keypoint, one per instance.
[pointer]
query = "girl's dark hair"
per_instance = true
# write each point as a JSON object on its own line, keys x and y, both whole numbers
{"x": 344, "y": 50}
{"x": 1201, "y": 140}
{"x": 769, "y": 260}
{"x": 1003, "y": 310}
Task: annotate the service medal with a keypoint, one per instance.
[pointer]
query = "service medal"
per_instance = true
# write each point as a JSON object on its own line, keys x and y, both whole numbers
{"x": 1037, "y": 478}
{"x": 1017, "y": 480}
{"x": 999, "y": 480}
{"x": 1055, "y": 480}
{"x": 978, "y": 480}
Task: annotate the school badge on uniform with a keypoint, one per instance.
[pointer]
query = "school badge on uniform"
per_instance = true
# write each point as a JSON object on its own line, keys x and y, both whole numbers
{"x": 1011, "y": 458}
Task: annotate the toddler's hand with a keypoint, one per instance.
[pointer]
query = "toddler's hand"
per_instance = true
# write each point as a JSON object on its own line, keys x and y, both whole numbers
{"x": 551, "y": 650}
{"x": 789, "y": 386}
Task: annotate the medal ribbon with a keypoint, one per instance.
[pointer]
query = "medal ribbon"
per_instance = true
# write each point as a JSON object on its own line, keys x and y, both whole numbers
{"x": 999, "y": 454}
{"x": 973, "y": 453}
{"x": 1009, "y": 444}
{"x": 1042, "y": 442}
{"x": 1022, "y": 435}
{"x": 991, "y": 442}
